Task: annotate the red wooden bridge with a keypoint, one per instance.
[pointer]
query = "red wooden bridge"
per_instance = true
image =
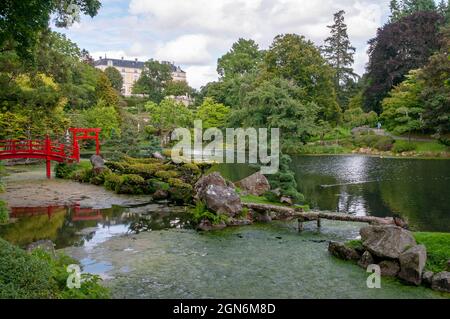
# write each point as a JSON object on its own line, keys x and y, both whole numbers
{"x": 49, "y": 150}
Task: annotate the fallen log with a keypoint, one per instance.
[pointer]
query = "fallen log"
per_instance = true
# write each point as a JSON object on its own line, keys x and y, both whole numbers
{"x": 284, "y": 212}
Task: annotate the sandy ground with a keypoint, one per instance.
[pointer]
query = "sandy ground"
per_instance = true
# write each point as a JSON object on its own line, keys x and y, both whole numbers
{"x": 27, "y": 186}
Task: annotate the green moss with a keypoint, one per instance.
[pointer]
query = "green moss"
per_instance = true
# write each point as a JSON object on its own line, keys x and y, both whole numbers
{"x": 38, "y": 275}
{"x": 438, "y": 249}
{"x": 4, "y": 214}
{"x": 83, "y": 175}
{"x": 131, "y": 184}
{"x": 112, "y": 181}
{"x": 166, "y": 175}
{"x": 355, "y": 244}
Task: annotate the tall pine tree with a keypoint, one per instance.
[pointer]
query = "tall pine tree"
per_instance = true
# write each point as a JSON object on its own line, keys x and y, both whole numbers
{"x": 403, "y": 8}
{"x": 340, "y": 55}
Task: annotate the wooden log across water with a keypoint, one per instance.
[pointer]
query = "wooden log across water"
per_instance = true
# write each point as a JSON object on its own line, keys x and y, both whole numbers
{"x": 284, "y": 212}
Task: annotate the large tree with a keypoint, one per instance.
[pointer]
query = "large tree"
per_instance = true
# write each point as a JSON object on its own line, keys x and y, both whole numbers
{"x": 115, "y": 78}
{"x": 278, "y": 103}
{"x": 403, "y": 8}
{"x": 153, "y": 80}
{"x": 398, "y": 48}
{"x": 22, "y": 21}
{"x": 339, "y": 53}
{"x": 243, "y": 58}
{"x": 436, "y": 88}
{"x": 296, "y": 59}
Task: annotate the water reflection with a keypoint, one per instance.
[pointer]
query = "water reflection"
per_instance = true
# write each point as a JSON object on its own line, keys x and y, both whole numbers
{"x": 87, "y": 227}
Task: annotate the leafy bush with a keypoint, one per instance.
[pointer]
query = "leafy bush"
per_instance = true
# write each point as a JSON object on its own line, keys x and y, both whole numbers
{"x": 23, "y": 275}
{"x": 83, "y": 175}
{"x": 444, "y": 140}
{"x": 112, "y": 182}
{"x": 4, "y": 215}
{"x": 131, "y": 184}
{"x": 64, "y": 170}
{"x": 166, "y": 175}
{"x": 379, "y": 142}
{"x": 403, "y": 146}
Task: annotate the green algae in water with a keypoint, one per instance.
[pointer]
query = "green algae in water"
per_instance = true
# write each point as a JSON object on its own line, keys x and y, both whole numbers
{"x": 259, "y": 261}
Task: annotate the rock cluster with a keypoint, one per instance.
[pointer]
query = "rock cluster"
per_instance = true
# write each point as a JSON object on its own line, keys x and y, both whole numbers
{"x": 395, "y": 250}
{"x": 256, "y": 184}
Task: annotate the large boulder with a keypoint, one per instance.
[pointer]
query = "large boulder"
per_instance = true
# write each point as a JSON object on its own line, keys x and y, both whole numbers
{"x": 218, "y": 196}
{"x": 256, "y": 184}
{"x": 98, "y": 164}
{"x": 387, "y": 241}
{"x": 441, "y": 281}
{"x": 412, "y": 263}
{"x": 427, "y": 278}
{"x": 341, "y": 251}
{"x": 389, "y": 268}
{"x": 366, "y": 260}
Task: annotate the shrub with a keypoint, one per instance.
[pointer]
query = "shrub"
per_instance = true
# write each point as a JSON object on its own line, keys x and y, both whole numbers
{"x": 384, "y": 143}
{"x": 4, "y": 214}
{"x": 83, "y": 175}
{"x": 23, "y": 275}
{"x": 112, "y": 182}
{"x": 99, "y": 179}
{"x": 155, "y": 184}
{"x": 403, "y": 146}
{"x": 64, "y": 170}
{"x": 179, "y": 190}
{"x": 131, "y": 184}
{"x": 166, "y": 175}
{"x": 444, "y": 140}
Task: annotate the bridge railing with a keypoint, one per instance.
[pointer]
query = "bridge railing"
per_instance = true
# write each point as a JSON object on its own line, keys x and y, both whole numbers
{"x": 36, "y": 147}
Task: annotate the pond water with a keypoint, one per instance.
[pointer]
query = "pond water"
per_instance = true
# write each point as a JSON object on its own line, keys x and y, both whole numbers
{"x": 418, "y": 190}
{"x": 258, "y": 261}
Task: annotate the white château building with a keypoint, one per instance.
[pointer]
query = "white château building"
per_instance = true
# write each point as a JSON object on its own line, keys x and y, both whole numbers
{"x": 131, "y": 71}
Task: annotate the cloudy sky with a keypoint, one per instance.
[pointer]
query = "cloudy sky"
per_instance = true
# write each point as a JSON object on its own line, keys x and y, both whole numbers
{"x": 194, "y": 33}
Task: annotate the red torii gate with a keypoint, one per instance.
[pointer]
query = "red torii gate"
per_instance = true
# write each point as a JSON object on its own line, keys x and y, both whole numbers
{"x": 47, "y": 149}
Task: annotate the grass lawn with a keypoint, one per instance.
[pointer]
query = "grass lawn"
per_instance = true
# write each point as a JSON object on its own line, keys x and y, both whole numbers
{"x": 438, "y": 249}
{"x": 430, "y": 147}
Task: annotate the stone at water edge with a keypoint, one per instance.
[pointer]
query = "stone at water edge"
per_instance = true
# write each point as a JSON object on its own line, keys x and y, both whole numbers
{"x": 206, "y": 225}
{"x": 389, "y": 268}
{"x": 98, "y": 163}
{"x": 46, "y": 245}
{"x": 286, "y": 200}
{"x": 256, "y": 184}
{"x": 441, "y": 281}
{"x": 386, "y": 241}
{"x": 427, "y": 277}
{"x": 341, "y": 251}
{"x": 160, "y": 194}
{"x": 366, "y": 260}
{"x": 217, "y": 194}
{"x": 412, "y": 263}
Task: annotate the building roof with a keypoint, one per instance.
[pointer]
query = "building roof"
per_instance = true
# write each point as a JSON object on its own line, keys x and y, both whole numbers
{"x": 121, "y": 63}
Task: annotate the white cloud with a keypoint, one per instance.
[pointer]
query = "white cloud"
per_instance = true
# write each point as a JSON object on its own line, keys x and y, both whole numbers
{"x": 195, "y": 33}
{"x": 191, "y": 49}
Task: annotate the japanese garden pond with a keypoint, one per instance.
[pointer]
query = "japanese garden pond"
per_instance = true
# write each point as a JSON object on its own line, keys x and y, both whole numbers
{"x": 258, "y": 261}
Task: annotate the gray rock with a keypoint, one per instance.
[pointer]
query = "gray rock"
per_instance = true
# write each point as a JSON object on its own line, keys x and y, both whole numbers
{"x": 217, "y": 195}
{"x": 256, "y": 184}
{"x": 46, "y": 245}
{"x": 386, "y": 241}
{"x": 160, "y": 194}
{"x": 366, "y": 260}
{"x": 427, "y": 278}
{"x": 264, "y": 218}
{"x": 441, "y": 281}
{"x": 158, "y": 155}
{"x": 206, "y": 225}
{"x": 412, "y": 263}
{"x": 341, "y": 251}
{"x": 98, "y": 164}
{"x": 389, "y": 268}
{"x": 286, "y": 200}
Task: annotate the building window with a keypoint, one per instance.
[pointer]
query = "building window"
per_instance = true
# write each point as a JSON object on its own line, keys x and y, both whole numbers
{"x": 110, "y": 63}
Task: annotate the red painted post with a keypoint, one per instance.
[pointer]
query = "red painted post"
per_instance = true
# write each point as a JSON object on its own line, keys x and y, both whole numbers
{"x": 48, "y": 149}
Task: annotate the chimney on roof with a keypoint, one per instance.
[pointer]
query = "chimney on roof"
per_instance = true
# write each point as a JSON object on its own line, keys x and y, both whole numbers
{"x": 122, "y": 58}
{"x": 136, "y": 59}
